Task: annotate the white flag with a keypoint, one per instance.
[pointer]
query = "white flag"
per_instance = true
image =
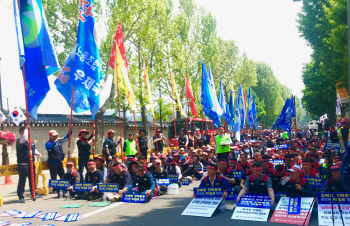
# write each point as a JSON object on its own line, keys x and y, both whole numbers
{"x": 17, "y": 115}
{"x": 338, "y": 111}
{"x": 2, "y": 117}
{"x": 323, "y": 117}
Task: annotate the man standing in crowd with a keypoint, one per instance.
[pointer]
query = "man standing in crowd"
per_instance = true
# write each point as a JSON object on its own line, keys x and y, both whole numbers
{"x": 56, "y": 155}
{"x": 223, "y": 142}
{"x": 344, "y": 134}
{"x": 109, "y": 146}
{"x": 129, "y": 147}
{"x": 158, "y": 141}
{"x": 206, "y": 138}
{"x": 84, "y": 149}
{"x": 190, "y": 140}
{"x": 23, "y": 162}
{"x": 143, "y": 143}
{"x": 198, "y": 139}
{"x": 182, "y": 139}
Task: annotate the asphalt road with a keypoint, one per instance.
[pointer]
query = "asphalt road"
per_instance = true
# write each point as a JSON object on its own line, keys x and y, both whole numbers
{"x": 165, "y": 210}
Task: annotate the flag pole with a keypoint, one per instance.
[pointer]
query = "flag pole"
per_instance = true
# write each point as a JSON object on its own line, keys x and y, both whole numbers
{"x": 70, "y": 124}
{"x": 93, "y": 142}
{"x": 133, "y": 111}
{"x": 172, "y": 96}
{"x": 295, "y": 110}
{"x": 186, "y": 113}
{"x": 29, "y": 141}
{"x": 202, "y": 127}
{"x": 155, "y": 132}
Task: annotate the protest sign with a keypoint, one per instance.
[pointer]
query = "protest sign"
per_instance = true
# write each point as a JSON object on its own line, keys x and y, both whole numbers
{"x": 237, "y": 174}
{"x": 277, "y": 162}
{"x": 252, "y": 207}
{"x": 237, "y": 152}
{"x": 31, "y": 214}
{"x": 108, "y": 187}
{"x": 185, "y": 181}
{"x": 280, "y": 146}
{"x": 174, "y": 178}
{"x": 197, "y": 167}
{"x": 325, "y": 208}
{"x": 329, "y": 144}
{"x": 294, "y": 205}
{"x": 4, "y": 223}
{"x": 163, "y": 181}
{"x": 12, "y": 212}
{"x": 82, "y": 186}
{"x": 315, "y": 182}
{"x": 205, "y": 168}
{"x": 50, "y": 216}
{"x": 231, "y": 196}
{"x": 208, "y": 192}
{"x": 202, "y": 207}
{"x": 72, "y": 217}
{"x": 253, "y": 200}
{"x": 62, "y": 184}
{"x": 134, "y": 198}
{"x": 247, "y": 150}
{"x": 281, "y": 212}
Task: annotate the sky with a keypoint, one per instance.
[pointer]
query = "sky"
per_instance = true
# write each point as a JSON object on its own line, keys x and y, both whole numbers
{"x": 264, "y": 29}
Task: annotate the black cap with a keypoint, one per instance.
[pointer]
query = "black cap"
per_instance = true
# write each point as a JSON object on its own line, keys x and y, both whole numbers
{"x": 288, "y": 156}
{"x": 279, "y": 167}
{"x": 233, "y": 157}
{"x": 265, "y": 157}
{"x": 257, "y": 164}
{"x": 22, "y": 128}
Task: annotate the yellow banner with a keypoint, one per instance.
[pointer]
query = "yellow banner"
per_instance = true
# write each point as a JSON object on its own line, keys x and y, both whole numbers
{"x": 148, "y": 92}
{"x": 175, "y": 94}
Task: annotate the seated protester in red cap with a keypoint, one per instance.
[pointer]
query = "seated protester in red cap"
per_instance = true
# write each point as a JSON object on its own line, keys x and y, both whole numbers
{"x": 177, "y": 158}
{"x": 197, "y": 172}
{"x": 158, "y": 141}
{"x": 250, "y": 170}
{"x": 222, "y": 143}
{"x": 74, "y": 177}
{"x": 144, "y": 182}
{"x": 277, "y": 175}
{"x": 288, "y": 162}
{"x": 94, "y": 176}
{"x": 163, "y": 158}
{"x": 23, "y": 162}
{"x": 182, "y": 139}
{"x": 266, "y": 169}
{"x": 130, "y": 147}
{"x": 160, "y": 173}
{"x": 297, "y": 186}
{"x": 109, "y": 146}
{"x": 258, "y": 183}
{"x": 269, "y": 152}
{"x": 214, "y": 180}
{"x": 152, "y": 166}
{"x": 266, "y": 157}
{"x": 173, "y": 168}
{"x": 100, "y": 166}
{"x": 244, "y": 164}
{"x": 84, "y": 149}
{"x": 306, "y": 169}
{"x": 335, "y": 183}
{"x": 143, "y": 143}
{"x": 142, "y": 160}
{"x": 122, "y": 177}
{"x": 55, "y": 154}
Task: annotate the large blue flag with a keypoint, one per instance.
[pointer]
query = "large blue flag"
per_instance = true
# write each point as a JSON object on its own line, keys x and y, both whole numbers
{"x": 250, "y": 110}
{"x": 224, "y": 106}
{"x": 279, "y": 123}
{"x": 289, "y": 114}
{"x": 255, "y": 114}
{"x": 82, "y": 69}
{"x": 36, "y": 51}
{"x": 241, "y": 107}
{"x": 231, "y": 103}
{"x": 209, "y": 101}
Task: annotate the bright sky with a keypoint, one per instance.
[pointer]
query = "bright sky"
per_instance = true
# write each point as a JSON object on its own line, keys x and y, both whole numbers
{"x": 264, "y": 29}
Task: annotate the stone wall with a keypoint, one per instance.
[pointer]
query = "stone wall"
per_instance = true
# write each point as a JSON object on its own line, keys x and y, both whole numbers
{"x": 39, "y": 134}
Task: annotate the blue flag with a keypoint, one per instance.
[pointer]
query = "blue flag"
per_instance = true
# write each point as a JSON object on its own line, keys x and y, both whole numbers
{"x": 250, "y": 110}
{"x": 255, "y": 114}
{"x": 281, "y": 118}
{"x": 241, "y": 107}
{"x": 237, "y": 121}
{"x": 289, "y": 114}
{"x": 224, "y": 106}
{"x": 82, "y": 69}
{"x": 36, "y": 51}
{"x": 209, "y": 101}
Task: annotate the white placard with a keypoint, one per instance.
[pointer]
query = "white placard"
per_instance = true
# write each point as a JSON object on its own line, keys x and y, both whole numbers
{"x": 325, "y": 214}
{"x": 4, "y": 223}
{"x": 251, "y": 214}
{"x": 202, "y": 207}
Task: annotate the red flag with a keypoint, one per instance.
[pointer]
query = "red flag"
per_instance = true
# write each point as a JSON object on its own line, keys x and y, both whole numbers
{"x": 189, "y": 95}
{"x": 118, "y": 38}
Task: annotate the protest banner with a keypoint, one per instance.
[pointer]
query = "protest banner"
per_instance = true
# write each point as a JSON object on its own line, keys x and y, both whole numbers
{"x": 205, "y": 168}
{"x": 12, "y": 212}
{"x": 163, "y": 181}
{"x": 108, "y": 187}
{"x": 31, "y": 214}
{"x": 325, "y": 208}
{"x": 315, "y": 182}
{"x": 185, "y": 181}
{"x": 49, "y": 216}
{"x": 202, "y": 192}
{"x": 4, "y": 223}
{"x": 62, "y": 184}
{"x": 237, "y": 152}
{"x": 277, "y": 161}
{"x": 231, "y": 196}
{"x": 197, "y": 167}
{"x": 252, "y": 207}
{"x": 294, "y": 205}
{"x": 202, "y": 207}
{"x": 82, "y": 186}
{"x": 237, "y": 174}
{"x": 280, "y": 146}
{"x": 72, "y": 217}
{"x": 281, "y": 212}
{"x": 329, "y": 144}
{"x": 134, "y": 198}
{"x": 174, "y": 178}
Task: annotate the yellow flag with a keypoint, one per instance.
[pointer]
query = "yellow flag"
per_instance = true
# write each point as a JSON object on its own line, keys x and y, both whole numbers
{"x": 148, "y": 93}
{"x": 175, "y": 94}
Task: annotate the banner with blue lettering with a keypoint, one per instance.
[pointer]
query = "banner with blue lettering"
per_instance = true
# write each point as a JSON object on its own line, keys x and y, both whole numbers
{"x": 197, "y": 167}
{"x": 247, "y": 150}
{"x": 325, "y": 198}
{"x": 231, "y": 196}
{"x": 185, "y": 181}
{"x": 237, "y": 174}
{"x": 255, "y": 201}
{"x": 294, "y": 205}
{"x": 163, "y": 181}
{"x": 315, "y": 182}
{"x": 237, "y": 152}
{"x": 325, "y": 213}
{"x": 49, "y": 216}
{"x": 174, "y": 178}
{"x": 108, "y": 187}
{"x": 329, "y": 144}
{"x": 63, "y": 184}
{"x": 205, "y": 168}
{"x": 134, "y": 198}
{"x": 82, "y": 187}
{"x": 208, "y": 192}
{"x": 277, "y": 161}
{"x": 280, "y": 146}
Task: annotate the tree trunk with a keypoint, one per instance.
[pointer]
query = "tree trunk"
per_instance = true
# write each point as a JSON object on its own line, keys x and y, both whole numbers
{"x": 125, "y": 125}
{"x": 333, "y": 117}
{"x": 5, "y": 156}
